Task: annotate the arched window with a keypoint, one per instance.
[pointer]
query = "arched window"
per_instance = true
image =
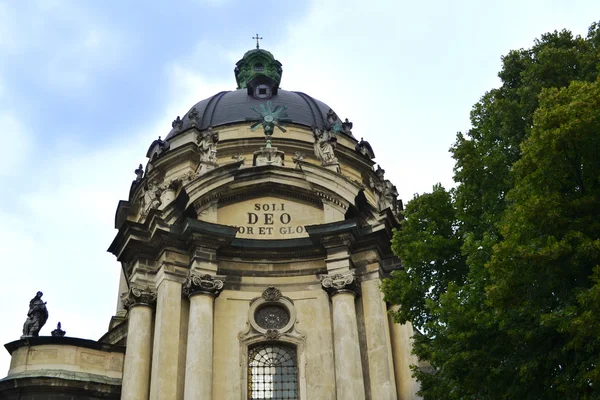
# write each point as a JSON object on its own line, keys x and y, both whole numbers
{"x": 272, "y": 372}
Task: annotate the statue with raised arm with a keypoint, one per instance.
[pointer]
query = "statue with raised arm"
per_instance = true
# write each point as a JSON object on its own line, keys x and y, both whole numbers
{"x": 36, "y": 316}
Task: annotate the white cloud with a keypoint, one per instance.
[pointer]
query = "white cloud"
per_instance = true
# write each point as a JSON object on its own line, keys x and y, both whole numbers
{"x": 17, "y": 140}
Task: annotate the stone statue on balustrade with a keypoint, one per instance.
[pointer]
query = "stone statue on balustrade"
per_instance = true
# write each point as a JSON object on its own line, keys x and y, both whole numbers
{"x": 36, "y": 316}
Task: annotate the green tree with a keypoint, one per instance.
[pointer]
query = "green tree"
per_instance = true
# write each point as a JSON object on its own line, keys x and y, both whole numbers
{"x": 467, "y": 301}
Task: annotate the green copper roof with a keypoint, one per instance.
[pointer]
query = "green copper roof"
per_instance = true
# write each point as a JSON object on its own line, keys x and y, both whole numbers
{"x": 257, "y": 63}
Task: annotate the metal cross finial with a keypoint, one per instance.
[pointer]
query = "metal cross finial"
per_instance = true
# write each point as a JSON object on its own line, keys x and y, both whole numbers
{"x": 257, "y": 39}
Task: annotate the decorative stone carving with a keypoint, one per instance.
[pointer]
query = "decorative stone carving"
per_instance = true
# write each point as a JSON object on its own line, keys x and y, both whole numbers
{"x": 239, "y": 157}
{"x": 58, "y": 331}
{"x": 202, "y": 283}
{"x": 340, "y": 283}
{"x": 272, "y": 316}
{"x": 207, "y": 149}
{"x": 157, "y": 148}
{"x": 364, "y": 148}
{"x": 385, "y": 192}
{"x": 331, "y": 118}
{"x": 36, "y": 316}
{"x": 297, "y": 158}
{"x": 177, "y": 123}
{"x": 137, "y": 295}
{"x": 150, "y": 199}
{"x": 271, "y": 294}
{"x": 347, "y": 127}
{"x": 139, "y": 174}
{"x": 268, "y": 156}
{"x": 324, "y": 146}
{"x": 272, "y": 334}
{"x": 193, "y": 117}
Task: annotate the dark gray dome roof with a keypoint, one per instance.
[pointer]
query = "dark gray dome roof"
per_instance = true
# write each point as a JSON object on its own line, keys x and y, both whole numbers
{"x": 231, "y": 107}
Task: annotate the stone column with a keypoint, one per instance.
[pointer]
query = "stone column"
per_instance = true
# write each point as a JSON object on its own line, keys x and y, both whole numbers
{"x": 406, "y": 386}
{"x": 379, "y": 348}
{"x": 165, "y": 362}
{"x": 136, "y": 371}
{"x": 202, "y": 290}
{"x": 343, "y": 288}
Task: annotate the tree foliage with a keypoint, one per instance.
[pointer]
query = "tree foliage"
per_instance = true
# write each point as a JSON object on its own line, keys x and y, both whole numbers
{"x": 501, "y": 274}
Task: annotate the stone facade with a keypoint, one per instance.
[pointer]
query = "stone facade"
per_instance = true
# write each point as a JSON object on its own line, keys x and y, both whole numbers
{"x": 221, "y": 255}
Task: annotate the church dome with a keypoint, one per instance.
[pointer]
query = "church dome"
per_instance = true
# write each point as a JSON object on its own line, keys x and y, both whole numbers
{"x": 230, "y": 107}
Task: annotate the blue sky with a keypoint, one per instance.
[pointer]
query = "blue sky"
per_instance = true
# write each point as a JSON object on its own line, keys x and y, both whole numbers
{"x": 86, "y": 86}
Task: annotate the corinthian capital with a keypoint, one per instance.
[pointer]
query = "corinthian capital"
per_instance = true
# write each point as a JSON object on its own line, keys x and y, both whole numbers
{"x": 340, "y": 283}
{"x": 202, "y": 283}
{"x": 137, "y": 295}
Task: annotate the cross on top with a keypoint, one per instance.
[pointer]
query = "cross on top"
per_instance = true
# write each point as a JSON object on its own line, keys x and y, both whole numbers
{"x": 257, "y": 39}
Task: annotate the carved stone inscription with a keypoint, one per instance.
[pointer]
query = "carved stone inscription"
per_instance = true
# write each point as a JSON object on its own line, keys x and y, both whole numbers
{"x": 270, "y": 218}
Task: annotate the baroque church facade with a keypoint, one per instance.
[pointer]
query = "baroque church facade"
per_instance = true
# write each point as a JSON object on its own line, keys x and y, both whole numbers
{"x": 252, "y": 244}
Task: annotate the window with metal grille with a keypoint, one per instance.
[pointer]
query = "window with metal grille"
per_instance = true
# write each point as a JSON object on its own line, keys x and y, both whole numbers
{"x": 272, "y": 372}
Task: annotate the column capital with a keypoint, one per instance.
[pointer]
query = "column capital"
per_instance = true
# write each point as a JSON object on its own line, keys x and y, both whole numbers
{"x": 345, "y": 282}
{"x": 138, "y": 295}
{"x": 203, "y": 284}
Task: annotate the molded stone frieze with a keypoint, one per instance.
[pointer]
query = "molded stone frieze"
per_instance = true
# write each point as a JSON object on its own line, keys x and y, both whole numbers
{"x": 137, "y": 295}
{"x": 202, "y": 283}
{"x": 324, "y": 146}
{"x": 207, "y": 149}
{"x": 339, "y": 283}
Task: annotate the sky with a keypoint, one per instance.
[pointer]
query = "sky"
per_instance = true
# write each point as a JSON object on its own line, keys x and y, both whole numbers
{"x": 86, "y": 86}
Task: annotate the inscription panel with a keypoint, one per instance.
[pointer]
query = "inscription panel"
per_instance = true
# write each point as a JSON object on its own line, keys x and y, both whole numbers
{"x": 270, "y": 218}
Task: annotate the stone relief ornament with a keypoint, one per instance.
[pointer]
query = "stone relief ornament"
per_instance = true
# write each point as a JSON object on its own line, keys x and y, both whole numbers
{"x": 239, "y": 157}
{"x": 207, "y": 149}
{"x": 150, "y": 199}
{"x": 202, "y": 283}
{"x": 268, "y": 156}
{"x": 385, "y": 192}
{"x": 339, "y": 283}
{"x": 58, "y": 331}
{"x": 272, "y": 334}
{"x": 272, "y": 294}
{"x": 36, "y": 316}
{"x": 137, "y": 295}
{"x": 298, "y": 157}
{"x": 324, "y": 146}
